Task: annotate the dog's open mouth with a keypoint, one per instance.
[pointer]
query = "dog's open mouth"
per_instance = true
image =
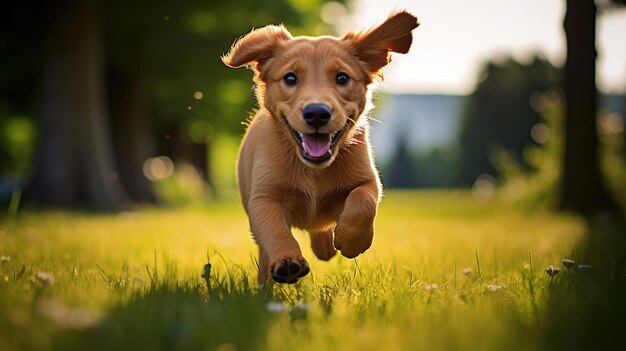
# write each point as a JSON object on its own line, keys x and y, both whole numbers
{"x": 317, "y": 147}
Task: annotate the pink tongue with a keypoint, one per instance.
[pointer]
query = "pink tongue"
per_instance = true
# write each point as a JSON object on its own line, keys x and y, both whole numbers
{"x": 316, "y": 145}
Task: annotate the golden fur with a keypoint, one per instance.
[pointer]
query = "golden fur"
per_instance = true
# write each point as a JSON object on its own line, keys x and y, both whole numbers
{"x": 334, "y": 198}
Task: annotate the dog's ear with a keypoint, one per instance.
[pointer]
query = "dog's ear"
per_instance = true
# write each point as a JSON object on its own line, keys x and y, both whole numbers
{"x": 373, "y": 47}
{"x": 256, "y": 47}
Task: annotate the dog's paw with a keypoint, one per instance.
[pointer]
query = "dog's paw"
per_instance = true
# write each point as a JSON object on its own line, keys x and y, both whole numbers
{"x": 289, "y": 270}
{"x": 352, "y": 240}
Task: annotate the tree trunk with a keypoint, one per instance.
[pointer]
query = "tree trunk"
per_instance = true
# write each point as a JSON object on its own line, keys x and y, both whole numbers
{"x": 132, "y": 133}
{"x": 582, "y": 189}
{"x": 75, "y": 166}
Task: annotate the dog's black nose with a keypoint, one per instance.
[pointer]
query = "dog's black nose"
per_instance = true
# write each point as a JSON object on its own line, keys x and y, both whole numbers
{"x": 316, "y": 114}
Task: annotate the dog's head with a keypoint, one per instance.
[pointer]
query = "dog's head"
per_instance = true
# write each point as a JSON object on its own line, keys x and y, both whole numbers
{"x": 317, "y": 86}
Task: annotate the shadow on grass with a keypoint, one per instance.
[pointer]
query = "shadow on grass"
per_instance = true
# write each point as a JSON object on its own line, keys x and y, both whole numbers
{"x": 586, "y": 309}
{"x": 170, "y": 317}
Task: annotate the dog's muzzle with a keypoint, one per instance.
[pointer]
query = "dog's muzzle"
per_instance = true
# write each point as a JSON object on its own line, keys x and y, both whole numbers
{"x": 318, "y": 147}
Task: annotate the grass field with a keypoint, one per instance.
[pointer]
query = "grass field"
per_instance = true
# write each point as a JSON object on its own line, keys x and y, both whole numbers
{"x": 445, "y": 272}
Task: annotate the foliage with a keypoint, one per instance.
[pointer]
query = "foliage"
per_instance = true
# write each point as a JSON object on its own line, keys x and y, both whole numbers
{"x": 498, "y": 113}
{"x": 171, "y": 50}
{"x": 176, "y": 51}
{"x": 445, "y": 272}
{"x": 612, "y": 133}
{"x": 16, "y": 146}
{"x": 20, "y": 58}
{"x": 434, "y": 168}
{"x": 534, "y": 182}
{"x": 613, "y": 164}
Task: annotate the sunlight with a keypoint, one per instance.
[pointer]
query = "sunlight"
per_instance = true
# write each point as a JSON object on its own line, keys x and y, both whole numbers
{"x": 450, "y": 46}
{"x": 135, "y": 214}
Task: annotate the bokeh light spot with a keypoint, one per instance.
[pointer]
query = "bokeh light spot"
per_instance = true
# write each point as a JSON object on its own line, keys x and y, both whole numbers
{"x": 484, "y": 187}
{"x": 156, "y": 168}
{"x": 332, "y": 12}
{"x": 611, "y": 123}
{"x": 200, "y": 131}
{"x": 540, "y": 133}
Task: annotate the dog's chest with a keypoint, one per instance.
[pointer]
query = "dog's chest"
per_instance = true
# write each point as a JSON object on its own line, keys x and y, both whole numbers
{"x": 312, "y": 211}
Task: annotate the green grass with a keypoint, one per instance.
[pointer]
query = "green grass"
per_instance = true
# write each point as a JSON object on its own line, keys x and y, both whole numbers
{"x": 133, "y": 281}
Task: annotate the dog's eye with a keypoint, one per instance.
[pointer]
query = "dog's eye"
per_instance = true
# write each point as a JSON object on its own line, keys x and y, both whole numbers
{"x": 290, "y": 79}
{"x": 342, "y": 78}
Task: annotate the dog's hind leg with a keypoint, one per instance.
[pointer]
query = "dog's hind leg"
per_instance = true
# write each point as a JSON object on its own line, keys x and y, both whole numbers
{"x": 322, "y": 244}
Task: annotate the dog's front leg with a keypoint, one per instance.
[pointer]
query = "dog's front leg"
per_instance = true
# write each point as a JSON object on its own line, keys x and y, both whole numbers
{"x": 279, "y": 253}
{"x": 355, "y": 227}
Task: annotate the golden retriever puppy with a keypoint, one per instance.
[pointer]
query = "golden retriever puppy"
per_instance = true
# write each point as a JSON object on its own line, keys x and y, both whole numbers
{"x": 305, "y": 160}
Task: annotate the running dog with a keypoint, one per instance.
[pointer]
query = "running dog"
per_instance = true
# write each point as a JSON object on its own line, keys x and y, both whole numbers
{"x": 305, "y": 160}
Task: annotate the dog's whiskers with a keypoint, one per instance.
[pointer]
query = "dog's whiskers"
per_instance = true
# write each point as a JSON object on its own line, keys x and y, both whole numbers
{"x": 373, "y": 119}
{"x": 354, "y": 141}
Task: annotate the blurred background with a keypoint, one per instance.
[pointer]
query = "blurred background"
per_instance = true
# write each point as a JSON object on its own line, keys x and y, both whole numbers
{"x": 107, "y": 105}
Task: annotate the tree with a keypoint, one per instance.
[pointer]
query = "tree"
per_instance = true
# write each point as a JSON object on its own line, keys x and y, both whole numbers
{"x": 75, "y": 163}
{"x": 133, "y": 140}
{"x": 400, "y": 172}
{"x": 582, "y": 187}
{"x": 170, "y": 52}
{"x": 498, "y": 114}
{"x": 123, "y": 81}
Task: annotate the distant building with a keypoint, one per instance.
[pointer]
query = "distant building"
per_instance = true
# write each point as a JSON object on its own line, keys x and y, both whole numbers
{"x": 425, "y": 121}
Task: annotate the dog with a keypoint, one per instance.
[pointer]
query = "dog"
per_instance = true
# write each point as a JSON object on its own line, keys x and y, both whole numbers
{"x": 305, "y": 160}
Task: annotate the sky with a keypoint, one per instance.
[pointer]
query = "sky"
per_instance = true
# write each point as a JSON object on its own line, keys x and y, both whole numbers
{"x": 456, "y": 36}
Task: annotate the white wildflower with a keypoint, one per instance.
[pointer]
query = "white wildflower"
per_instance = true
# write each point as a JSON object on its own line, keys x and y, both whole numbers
{"x": 495, "y": 287}
{"x": 46, "y": 278}
{"x": 65, "y": 316}
{"x": 302, "y": 306}
{"x": 275, "y": 306}
{"x": 466, "y": 271}
{"x": 126, "y": 216}
{"x": 430, "y": 287}
{"x": 5, "y": 259}
{"x": 552, "y": 271}
{"x": 568, "y": 263}
{"x": 584, "y": 267}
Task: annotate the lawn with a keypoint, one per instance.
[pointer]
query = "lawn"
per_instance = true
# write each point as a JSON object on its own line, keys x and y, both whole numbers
{"x": 445, "y": 272}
